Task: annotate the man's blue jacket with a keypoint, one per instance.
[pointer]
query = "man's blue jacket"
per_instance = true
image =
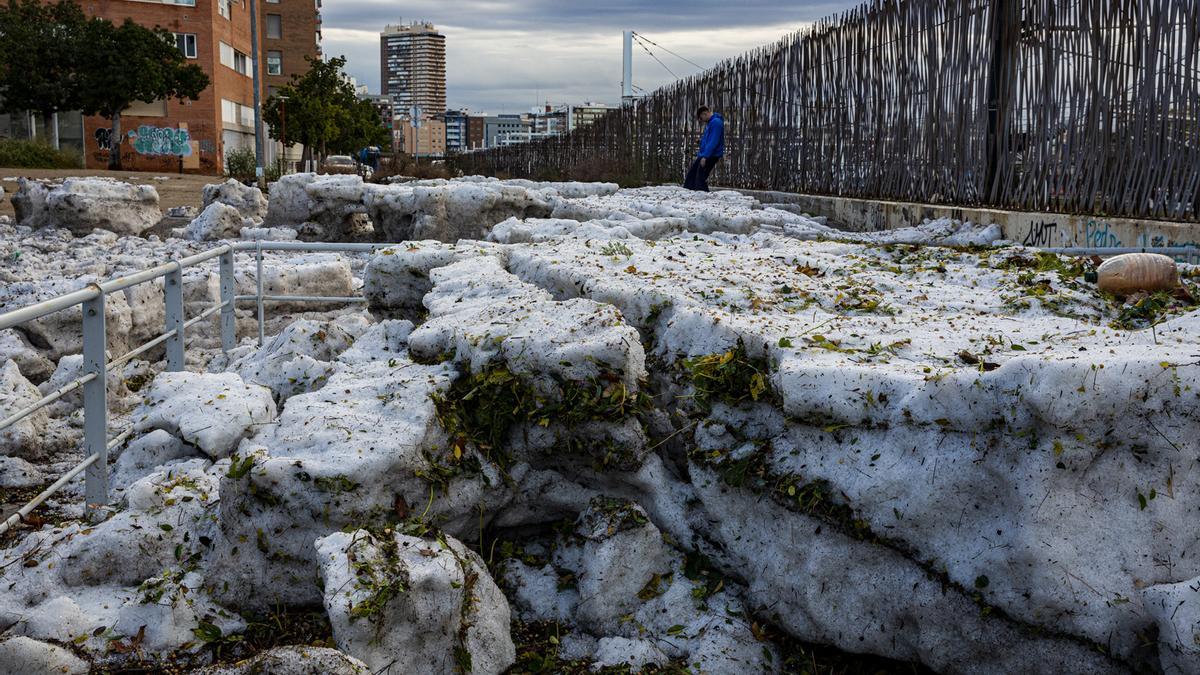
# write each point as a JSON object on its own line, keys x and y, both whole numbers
{"x": 712, "y": 143}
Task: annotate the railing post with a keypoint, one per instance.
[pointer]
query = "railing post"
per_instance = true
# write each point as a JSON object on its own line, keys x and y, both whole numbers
{"x": 258, "y": 278}
{"x": 173, "y": 299}
{"x": 95, "y": 406}
{"x": 228, "y": 291}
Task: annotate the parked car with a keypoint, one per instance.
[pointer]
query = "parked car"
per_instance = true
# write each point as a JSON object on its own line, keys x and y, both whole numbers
{"x": 339, "y": 164}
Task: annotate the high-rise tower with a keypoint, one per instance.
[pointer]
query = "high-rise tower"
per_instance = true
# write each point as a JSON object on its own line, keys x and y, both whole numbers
{"x": 412, "y": 60}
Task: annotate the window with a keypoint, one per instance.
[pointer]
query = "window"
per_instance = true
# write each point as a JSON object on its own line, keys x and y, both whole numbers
{"x": 233, "y": 112}
{"x": 143, "y": 109}
{"x": 274, "y": 26}
{"x": 274, "y": 63}
{"x": 273, "y": 2}
{"x": 223, "y": 8}
{"x": 232, "y": 58}
{"x": 186, "y": 43}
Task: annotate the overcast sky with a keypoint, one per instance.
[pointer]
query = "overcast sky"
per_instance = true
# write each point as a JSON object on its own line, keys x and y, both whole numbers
{"x": 509, "y": 55}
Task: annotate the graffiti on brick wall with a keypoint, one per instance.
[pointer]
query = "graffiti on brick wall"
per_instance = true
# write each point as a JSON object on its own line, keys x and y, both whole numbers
{"x": 104, "y": 138}
{"x": 149, "y": 140}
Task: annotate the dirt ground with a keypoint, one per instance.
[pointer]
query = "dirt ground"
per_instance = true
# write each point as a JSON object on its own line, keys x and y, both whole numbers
{"x": 173, "y": 189}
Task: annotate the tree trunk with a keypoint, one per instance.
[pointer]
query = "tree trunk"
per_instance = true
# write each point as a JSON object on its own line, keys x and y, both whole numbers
{"x": 114, "y": 144}
{"x": 306, "y": 156}
{"x": 50, "y": 124}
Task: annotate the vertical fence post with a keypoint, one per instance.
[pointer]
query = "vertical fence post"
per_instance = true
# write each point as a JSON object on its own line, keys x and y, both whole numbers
{"x": 95, "y": 406}
{"x": 173, "y": 298}
{"x": 228, "y": 291}
{"x": 258, "y": 279}
{"x": 1000, "y": 31}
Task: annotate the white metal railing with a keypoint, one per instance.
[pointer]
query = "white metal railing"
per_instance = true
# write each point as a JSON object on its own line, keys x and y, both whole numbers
{"x": 93, "y": 378}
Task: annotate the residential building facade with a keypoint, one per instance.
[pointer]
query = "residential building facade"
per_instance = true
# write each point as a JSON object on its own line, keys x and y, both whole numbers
{"x": 476, "y": 125}
{"x": 426, "y": 141}
{"x": 188, "y": 136}
{"x": 456, "y": 131}
{"x": 291, "y": 35}
{"x": 412, "y": 61}
{"x": 291, "y": 31}
{"x": 195, "y": 136}
{"x": 549, "y": 121}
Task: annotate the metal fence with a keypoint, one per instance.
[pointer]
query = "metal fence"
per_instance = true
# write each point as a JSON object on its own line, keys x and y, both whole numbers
{"x": 1078, "y": 106}
{"x": 96, "y": 365}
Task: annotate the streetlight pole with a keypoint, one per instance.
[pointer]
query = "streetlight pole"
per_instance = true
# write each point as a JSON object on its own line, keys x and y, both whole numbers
{"x": 416, "y": 125}
{"x": 283, "y": 132}
{"x": 258, "y": 135}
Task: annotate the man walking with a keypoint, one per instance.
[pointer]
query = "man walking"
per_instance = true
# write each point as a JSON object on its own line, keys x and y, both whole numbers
{"x": 712, "y": 148}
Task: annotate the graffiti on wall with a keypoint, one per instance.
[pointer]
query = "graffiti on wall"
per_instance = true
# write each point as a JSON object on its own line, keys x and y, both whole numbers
{"x": 1101, "y": 235}
{"x": 104, "y": 138}
{"x": 1094, "y": 233}
{"x": 149, "y": 140}
{"x": 1041, "y": 233}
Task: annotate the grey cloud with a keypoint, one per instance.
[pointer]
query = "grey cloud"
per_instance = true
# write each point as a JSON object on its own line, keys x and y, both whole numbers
{"x": 539, "y": 15}
{"x": 508, "y": 56}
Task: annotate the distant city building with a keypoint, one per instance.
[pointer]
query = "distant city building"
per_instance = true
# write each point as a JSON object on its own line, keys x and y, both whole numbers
{"x": 476, "y": 125}
{"x": 583, "y": 115}
{"x": 385, "y": 108}
{"x": 549, "y": 121}
{"x": 505, "y": 130}
{"x": 456, "y": 131}
{"x": 427, "y": 141}
{"x": 412, "y": 61}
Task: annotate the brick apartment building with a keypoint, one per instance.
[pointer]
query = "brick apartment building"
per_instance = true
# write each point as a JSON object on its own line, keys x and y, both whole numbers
{"x": 476, "y": 124}
{"x": 291, "y": 30}
{"x": 194, "y": 136}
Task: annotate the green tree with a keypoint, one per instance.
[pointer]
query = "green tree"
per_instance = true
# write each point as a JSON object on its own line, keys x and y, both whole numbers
{"x": 321, "y": 110}
{"x": 130, "y": 63}
{"x": 40, "y": 57}
{"x": 361, "y": 127}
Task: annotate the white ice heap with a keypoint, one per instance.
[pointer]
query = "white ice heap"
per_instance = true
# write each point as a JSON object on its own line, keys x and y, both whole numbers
{"x": 932, "y": 454}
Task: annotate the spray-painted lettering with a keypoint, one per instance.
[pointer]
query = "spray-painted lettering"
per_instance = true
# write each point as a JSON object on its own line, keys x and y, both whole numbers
{"x": 1100, "y": 235}
{"x": 1041, "y": 233}
{"x": 149, "y": 140}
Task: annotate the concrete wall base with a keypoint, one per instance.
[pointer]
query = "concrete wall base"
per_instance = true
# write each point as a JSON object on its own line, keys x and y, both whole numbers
{"x": 1024, "y": 227}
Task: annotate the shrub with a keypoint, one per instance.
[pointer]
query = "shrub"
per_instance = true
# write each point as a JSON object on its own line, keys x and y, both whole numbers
{"x": 402, "y": 164}
{"x": 274, "y": 170}
{"x": 240, "y": 163}
{"x": 18, "y": 154}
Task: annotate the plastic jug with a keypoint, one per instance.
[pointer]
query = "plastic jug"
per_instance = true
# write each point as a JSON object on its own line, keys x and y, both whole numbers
{"x": 1133, "y": 272}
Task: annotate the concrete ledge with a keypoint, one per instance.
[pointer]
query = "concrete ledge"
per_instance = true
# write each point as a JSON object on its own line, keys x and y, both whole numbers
{"x": 1029, "y": 228}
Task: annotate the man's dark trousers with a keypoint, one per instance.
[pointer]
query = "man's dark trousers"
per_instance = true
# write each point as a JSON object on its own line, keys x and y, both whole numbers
{"x": 697, "y": 176}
